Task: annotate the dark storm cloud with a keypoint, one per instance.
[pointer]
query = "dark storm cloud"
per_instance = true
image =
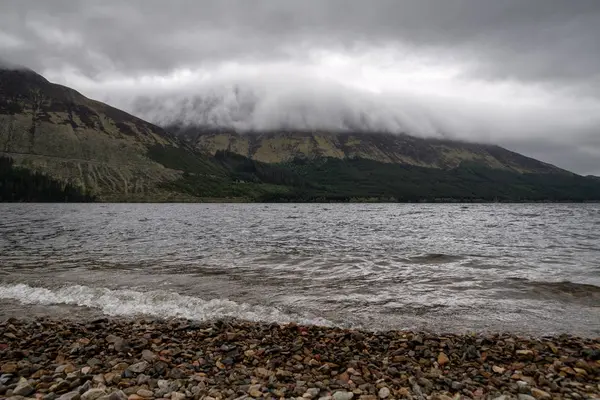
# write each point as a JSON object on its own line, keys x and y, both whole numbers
{"x": 525, "y": 74}
{"x": 532, "y": 40}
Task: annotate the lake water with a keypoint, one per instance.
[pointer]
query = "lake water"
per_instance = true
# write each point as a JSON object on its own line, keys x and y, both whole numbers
{"x": 532, "y": 269}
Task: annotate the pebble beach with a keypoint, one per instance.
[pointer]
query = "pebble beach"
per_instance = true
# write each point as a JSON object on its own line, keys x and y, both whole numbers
{"x": 137, "y": 359}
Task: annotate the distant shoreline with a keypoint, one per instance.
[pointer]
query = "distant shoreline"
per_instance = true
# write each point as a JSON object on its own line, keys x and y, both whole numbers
{"x": 245, "y": 201}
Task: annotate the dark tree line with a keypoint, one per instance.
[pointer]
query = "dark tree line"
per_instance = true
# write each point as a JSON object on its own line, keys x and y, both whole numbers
{"x": 21, "y": 185}
{"x": 344, "y": 180}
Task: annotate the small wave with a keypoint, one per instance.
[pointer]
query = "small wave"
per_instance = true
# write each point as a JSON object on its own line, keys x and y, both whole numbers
{"x": 562, "y": 286}
{"x": 157, "y": 303}
{"x": 434, "y": 258}
{"x": 565, "y": 291}
{"x": 477, "y": 264}
{"x": 567, "y": 287}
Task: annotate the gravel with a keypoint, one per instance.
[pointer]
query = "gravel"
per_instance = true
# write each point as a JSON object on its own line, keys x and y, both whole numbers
{"x": 139, "y": 359}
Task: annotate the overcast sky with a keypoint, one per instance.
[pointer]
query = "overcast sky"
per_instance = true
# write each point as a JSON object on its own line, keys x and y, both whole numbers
{"x": 524, "y": 74}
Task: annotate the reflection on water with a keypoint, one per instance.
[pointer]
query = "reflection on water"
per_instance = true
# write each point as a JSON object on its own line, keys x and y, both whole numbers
{"x": 526, "y": 268}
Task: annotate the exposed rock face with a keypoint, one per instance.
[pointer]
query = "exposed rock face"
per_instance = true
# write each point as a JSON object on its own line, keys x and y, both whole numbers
{"x": 54, "y": 129}
{"x": 274, "y": 147}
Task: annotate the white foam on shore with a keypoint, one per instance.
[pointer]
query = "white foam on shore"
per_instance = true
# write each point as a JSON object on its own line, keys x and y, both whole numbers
{"x": 157, "y": 303}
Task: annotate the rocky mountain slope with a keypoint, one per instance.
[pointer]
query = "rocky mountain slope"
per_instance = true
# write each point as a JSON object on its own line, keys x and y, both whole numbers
{"x": 278, "y": 147}
{"x": 51, "y": 135}
{"x": 55, "y": 130}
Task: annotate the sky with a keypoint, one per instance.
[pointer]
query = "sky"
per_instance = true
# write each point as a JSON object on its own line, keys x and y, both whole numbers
{"x": 521, "y": 74}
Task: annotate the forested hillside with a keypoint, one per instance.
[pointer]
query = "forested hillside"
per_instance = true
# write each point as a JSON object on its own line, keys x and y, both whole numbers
{"x": 19, "y": 184}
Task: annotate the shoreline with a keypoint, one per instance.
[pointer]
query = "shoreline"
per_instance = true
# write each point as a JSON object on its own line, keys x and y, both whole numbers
{"x": 240, "y": 200}
{"x": 141, "y": 358}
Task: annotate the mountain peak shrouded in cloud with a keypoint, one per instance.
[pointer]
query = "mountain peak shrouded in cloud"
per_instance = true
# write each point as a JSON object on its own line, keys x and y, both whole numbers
{"x": 519, "y": 74}
{"x": 250, "y": 106}
{"x": 306, "y": 102}
{"x": 7, "y": 65}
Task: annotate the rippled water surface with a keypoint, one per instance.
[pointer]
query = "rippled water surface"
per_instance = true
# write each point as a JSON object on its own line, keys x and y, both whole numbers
{"x": 522, "y": 268}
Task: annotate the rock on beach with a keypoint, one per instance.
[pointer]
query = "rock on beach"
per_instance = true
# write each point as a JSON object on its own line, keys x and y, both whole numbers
{"x": 139, "y": 359}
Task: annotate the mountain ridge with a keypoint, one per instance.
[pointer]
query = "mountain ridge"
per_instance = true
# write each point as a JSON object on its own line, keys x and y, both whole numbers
{"x": 278, "y": 146}
{"x": 51, "y": 128}
{"x": 57, "y": 139}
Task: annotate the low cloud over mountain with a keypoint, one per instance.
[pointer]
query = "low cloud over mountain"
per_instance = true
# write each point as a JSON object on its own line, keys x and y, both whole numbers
{"x": 520, "y": 74}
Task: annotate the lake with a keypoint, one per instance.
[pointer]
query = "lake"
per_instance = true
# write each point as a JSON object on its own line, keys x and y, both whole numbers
{"x": 524, "y": 268}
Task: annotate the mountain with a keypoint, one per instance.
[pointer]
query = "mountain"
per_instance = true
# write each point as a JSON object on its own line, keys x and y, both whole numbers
{"x": 58, "y": 145}
{"x": 54, "y": 130}
{"x": 379, "y": 166}
{"x": 278, "y": 147}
